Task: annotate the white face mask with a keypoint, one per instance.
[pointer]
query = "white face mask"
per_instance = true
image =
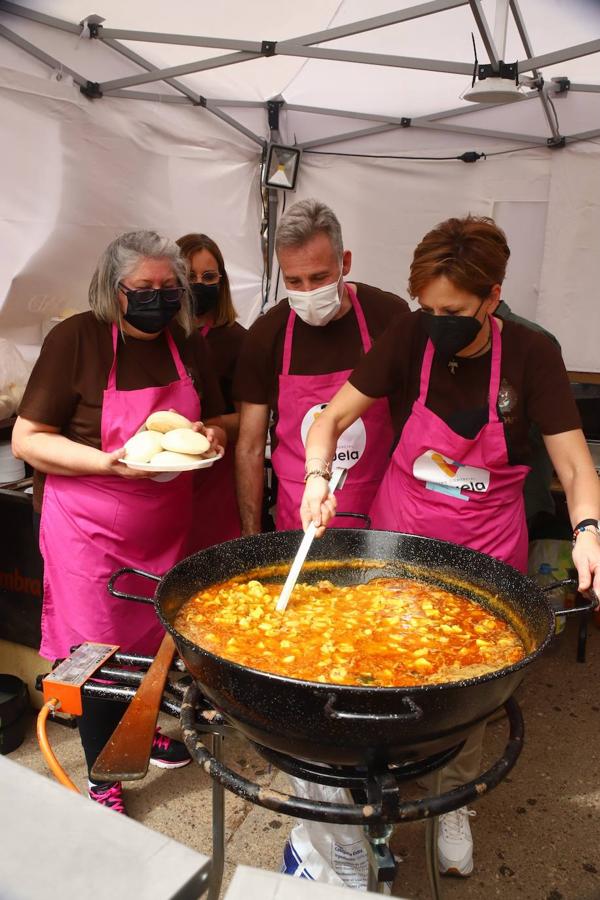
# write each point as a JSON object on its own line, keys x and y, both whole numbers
{"x": 317, "y": 307}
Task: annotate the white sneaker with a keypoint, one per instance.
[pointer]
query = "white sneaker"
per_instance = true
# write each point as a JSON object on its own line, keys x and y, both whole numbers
{"x": 455, "y": 844}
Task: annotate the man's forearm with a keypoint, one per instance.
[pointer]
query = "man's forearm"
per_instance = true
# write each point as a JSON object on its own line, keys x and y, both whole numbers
{"x": 249, "y": 478}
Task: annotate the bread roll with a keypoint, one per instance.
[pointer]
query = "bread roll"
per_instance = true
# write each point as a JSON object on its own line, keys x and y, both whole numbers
{"x": 143, "y": 446}
{"x": 169, "y": 458}
{"x": 182, "y": 440}
{"x": 163, "y": 420}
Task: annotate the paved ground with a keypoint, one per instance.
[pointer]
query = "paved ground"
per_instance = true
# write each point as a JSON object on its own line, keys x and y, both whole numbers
{"x": 536, "y": 835}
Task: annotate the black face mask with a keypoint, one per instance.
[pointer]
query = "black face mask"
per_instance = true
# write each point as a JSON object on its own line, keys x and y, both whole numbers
{"x": 451, "y": 334}
{"x": 154, "y": 314}
{"x": 204, "y": 297}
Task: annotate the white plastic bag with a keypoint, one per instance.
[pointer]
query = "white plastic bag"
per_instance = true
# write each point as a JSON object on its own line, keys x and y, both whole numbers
{"x": 14, "y": 374}
{"x": 334, "y": 854}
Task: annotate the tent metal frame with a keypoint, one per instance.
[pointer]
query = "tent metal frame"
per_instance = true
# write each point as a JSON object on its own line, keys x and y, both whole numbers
{"x": 304, "y": 46}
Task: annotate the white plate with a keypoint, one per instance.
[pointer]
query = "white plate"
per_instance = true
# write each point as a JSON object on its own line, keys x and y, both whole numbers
{"x": 182, "y": 467}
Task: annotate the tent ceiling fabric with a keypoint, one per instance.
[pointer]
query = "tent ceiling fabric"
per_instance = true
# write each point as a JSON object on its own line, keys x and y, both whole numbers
{"x": 77, "y": 171}
{"x": 440, "y": 39}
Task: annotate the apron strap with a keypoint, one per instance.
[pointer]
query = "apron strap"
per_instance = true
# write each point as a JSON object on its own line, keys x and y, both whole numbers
{"x": 426, "y": 371}
{"x": 112, "y": 375}
{"x": 204, "y": 330}
{"x": 179, "y": 366}
{"x": 495, "y": 371}
{"x": 360, "y": 318}
{"x": 287, "y": 344}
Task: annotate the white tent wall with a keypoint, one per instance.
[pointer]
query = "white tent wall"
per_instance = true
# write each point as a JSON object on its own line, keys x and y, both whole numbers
{"x": 75, "y": 174}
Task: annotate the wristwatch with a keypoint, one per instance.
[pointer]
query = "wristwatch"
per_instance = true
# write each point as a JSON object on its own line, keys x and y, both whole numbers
{"x": 586, "y": 525}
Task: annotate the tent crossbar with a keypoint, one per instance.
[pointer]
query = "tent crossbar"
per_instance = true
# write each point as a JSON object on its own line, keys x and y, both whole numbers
{"x": 585, "y": 88}
{"x": 188, "y": 40}
{"x": 242, "y": 104}
{"x": 375, "y": 59}
{"x": 41, "y": 55}
{"x": 148, "y": 95}
{"x": 229, "y": 120}
{"x": 483, "y": 132}
{"x": 364, "y": 25}
{"x": 191, "y": 95}
{"x": 149, "y": 67}
{"x": 528, "y": 47}
{"x": 485, "y": 33}
{"x": 582, "y": 136}
{"x": 342, "y": 114}
{"x": 464, "y": 110}
{"x": 24, "y": 12}
{"x": 201, "y": 65}
{"x": 558, "y": 56}
{"x": 347, "y": 136}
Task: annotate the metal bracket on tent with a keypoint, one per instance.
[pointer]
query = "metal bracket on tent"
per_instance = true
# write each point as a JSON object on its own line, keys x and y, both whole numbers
{"x": 91, "y": 90}
{"x": 405, "y": 122}
{"x": 268, "y": 48}
{"x": 504, "y": 70}
{"x": 93, "y": 26}
{"x": 273, "y": 109}
{"x": 556, "y": 142}
{"x": 560, "y": 86}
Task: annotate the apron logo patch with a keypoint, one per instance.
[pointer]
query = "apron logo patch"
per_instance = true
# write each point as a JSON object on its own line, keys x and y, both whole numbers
{"x": 448, "y": 476}
{"x": 351, "y": 444}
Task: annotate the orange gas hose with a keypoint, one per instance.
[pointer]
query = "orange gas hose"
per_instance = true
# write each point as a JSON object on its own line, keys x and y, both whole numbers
{"x": 48, "y": 754}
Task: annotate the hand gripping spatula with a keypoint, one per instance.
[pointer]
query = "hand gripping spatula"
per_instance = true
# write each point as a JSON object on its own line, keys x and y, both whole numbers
{"x": 338, "y": 476}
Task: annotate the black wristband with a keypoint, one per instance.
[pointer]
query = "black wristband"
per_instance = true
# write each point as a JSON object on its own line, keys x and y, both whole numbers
{"x": 584, "y": 525}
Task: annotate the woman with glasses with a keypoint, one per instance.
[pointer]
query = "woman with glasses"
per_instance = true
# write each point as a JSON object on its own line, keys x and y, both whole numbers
{"x": 215, "y": 316}
{"x": 99, "y": 375}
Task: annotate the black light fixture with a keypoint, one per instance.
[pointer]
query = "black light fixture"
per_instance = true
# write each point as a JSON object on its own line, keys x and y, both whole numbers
{"x": 281, "y": 169}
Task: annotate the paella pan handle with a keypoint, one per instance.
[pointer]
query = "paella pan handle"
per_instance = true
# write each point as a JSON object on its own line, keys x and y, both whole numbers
{"x": 566, "y": 582}
{"x": 352, "y": 515}
{"x": 121, "y": 594}
{"x": 415, "y": 712}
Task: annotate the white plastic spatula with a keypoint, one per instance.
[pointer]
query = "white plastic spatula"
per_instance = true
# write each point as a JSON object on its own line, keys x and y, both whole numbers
{"x": 338, "y": 476}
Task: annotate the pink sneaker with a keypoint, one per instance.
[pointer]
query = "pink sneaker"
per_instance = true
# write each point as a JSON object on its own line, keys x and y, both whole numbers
{"x": 110, "y": 795}
{"x": 168, "y": 753}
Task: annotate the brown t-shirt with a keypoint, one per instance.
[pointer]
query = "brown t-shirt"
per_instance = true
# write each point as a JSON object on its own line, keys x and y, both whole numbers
{"x": 534, "y": 384}
{"x": 316, "y": 350}
{"x": 68, "y": 380}
{"x": 225, "y": 343}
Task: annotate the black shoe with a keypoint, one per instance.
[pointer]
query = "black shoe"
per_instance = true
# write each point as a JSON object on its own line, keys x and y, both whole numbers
{"x": 167, "y": 753}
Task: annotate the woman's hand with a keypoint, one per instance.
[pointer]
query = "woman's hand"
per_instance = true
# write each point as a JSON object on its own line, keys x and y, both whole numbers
{"x": 213, "y": 433}
{"x": 586, "y": 556}
{"x": 318, "y": 504}
{"x": 112, "y": 466}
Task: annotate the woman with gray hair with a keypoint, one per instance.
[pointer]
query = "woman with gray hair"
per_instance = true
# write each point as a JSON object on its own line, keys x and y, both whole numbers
{"x": 99, "y": 376}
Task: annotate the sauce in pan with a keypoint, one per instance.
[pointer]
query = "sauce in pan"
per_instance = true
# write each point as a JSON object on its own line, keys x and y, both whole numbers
{"x": 390, "y": 632}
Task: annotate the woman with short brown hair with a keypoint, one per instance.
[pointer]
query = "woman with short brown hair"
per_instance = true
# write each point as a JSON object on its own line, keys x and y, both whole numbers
{"x": 464, "y": 388}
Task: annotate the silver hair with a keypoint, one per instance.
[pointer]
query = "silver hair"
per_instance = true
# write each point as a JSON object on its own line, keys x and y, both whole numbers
{"x": 305, "y": 219}
{"x": 120, "y": 259}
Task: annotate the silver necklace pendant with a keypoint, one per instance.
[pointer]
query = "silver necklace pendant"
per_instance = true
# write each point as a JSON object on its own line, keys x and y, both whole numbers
{"x": 453, "y": 366}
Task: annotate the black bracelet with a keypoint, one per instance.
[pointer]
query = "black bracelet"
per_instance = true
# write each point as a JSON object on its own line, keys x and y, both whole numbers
{"x": 584, "y": 525}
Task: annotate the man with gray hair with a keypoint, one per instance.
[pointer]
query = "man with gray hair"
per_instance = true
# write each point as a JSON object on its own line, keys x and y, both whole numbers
{"x": 295, "y": 358}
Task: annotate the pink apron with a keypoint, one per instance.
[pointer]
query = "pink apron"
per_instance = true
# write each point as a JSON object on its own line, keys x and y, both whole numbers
{"x": 363, "y": 448}
{"x": 216, "y": 516}
{"x": 93, "y": 525}
{"x": 444, "y": 486}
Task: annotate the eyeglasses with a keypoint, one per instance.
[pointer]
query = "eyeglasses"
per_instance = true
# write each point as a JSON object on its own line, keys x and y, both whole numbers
{"x": 208, "y": 277}
{"x": 147, "y": 295}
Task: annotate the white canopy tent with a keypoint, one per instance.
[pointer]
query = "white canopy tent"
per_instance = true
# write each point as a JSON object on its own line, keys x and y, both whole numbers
{"x": 147, "y": 115}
